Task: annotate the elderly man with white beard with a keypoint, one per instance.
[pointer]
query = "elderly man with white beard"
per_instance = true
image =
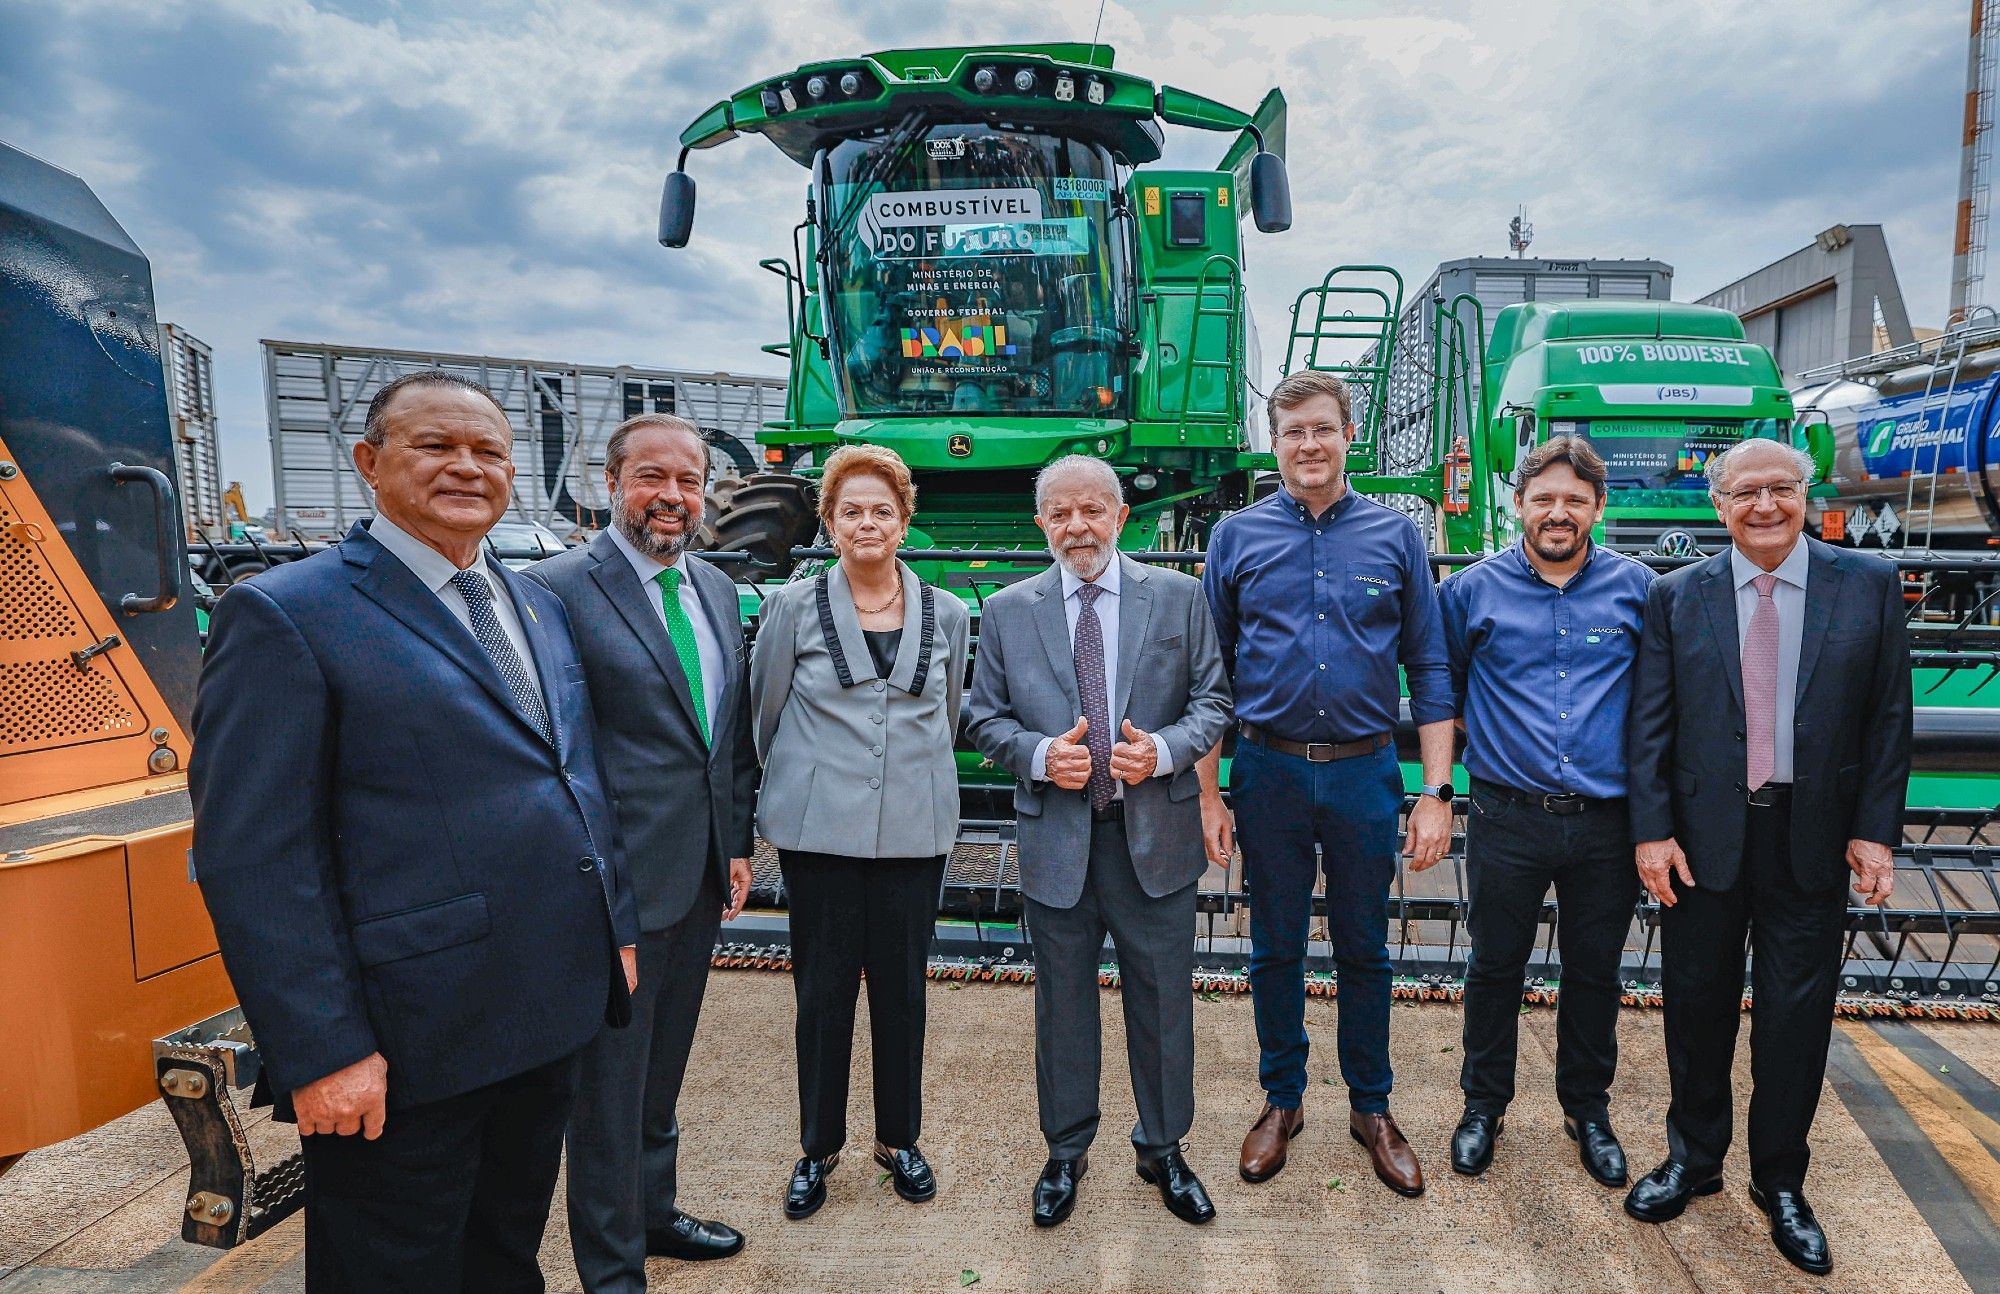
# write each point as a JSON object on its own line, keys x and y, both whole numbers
{"x": 1099, "y": 685}
{"x": 662, "y": 649}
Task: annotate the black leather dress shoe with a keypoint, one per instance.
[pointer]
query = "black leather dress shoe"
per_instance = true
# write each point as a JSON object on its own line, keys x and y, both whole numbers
{"x": 1597, "y": 1146}
{"x": 1794, "y": 1229}
{"x": 1472, "y": 1142}
{"x": 1186, "y": 1198}
{"x": 1663, "y": 1194}
{"x": 808, "y": 1189}
{"x": 908, "y": 1172}
{"x": 692, "y": 1240}
{"x": 1055, "y": 1193}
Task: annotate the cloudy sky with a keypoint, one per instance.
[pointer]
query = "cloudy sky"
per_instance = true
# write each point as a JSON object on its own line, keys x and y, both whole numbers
{"x": 486, "y": 178}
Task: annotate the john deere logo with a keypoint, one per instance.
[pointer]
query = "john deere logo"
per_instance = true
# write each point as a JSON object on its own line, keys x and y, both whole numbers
{"x": 1880, "y": 438}
{"x": 959, "y": 446}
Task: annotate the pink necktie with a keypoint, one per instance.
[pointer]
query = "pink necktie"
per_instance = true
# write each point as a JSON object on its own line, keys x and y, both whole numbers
{"x": 1760, "y": 683}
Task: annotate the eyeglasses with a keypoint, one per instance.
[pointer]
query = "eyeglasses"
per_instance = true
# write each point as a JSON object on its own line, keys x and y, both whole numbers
{"x": 1782, "y": 492}
{"x": 1299, "y": 435}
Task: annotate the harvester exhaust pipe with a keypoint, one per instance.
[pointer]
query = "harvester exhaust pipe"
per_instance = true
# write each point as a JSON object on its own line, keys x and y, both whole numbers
{"x": 677, "y": 206}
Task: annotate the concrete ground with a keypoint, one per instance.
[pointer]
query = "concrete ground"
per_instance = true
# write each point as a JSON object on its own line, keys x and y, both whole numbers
{"x": 1904, "y": 1176}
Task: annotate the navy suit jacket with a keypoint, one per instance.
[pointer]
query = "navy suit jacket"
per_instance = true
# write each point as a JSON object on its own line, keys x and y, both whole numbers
{"x": 1684, "y": 739}
{"x": 394, "y": 858}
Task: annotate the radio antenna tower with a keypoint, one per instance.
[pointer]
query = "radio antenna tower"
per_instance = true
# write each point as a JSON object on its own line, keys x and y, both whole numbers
{"x": 1520, "y": 233}
{"x": 1975, "y": 172}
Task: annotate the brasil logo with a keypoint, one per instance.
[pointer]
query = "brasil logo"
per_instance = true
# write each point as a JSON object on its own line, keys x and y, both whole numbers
{"x": 971, "y": 337}
{"x": 1880, "y": 437}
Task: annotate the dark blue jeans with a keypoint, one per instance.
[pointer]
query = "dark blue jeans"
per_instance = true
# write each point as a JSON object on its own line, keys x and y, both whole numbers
{"x": 1286, "y": 805}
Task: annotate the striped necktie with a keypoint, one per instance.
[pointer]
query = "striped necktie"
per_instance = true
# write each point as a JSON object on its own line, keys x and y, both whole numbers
{"x": 681, "y": 630}
{"x": 478, "y": 595}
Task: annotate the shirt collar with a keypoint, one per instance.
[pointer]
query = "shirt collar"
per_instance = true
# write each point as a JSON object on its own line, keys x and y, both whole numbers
{"x": 1291, "y": 504}
{"x": 644, "y": 565}
{"x": 1792, "y": 570}
{"x": 1108, "y": 581}
{"x": 1519, "y": 549}
{"x": 431, "y": 567}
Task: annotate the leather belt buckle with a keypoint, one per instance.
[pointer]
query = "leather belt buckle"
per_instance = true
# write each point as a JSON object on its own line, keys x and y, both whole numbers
{"x": 1321, "y": 752}
{"x": 1768, "y": 796}
{"x": 1564, "y": 805}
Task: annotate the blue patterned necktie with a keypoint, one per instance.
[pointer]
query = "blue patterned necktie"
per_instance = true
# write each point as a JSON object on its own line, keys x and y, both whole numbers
{"x": 1089, "y": 653}
{"x": 478, "y": 595}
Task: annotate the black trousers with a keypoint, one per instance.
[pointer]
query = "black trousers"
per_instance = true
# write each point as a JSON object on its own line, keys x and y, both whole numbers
{"x": 852, "y": 916}
{"x": 1513, "y": 852}
{"x": 624, "y": 1139}
{"x": 1795, "y": 941}
{"x": 452, "y": 1196}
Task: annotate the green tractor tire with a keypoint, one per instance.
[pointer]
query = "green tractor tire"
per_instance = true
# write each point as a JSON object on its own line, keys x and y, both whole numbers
{"x": 766, "y": 516}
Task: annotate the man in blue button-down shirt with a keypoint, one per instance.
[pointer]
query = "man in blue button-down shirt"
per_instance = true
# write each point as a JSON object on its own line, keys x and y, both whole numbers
{"x": 1318, "y": 594}
{"x": 1542, "y": 638}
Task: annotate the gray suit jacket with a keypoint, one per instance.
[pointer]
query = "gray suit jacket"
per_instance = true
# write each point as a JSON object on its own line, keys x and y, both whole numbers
{"x": 683, "y": 809}
{"x": 1170, "y": 681}
{"x": 858, "y": 765}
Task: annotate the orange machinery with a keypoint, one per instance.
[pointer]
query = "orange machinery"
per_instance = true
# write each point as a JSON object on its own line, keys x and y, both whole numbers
{"x": 114, "y": 991}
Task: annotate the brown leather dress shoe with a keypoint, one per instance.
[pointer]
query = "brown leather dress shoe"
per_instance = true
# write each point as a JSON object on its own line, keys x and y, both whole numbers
{"x": 1395, "y": 1163}
{"x": 1268, "y": 1141}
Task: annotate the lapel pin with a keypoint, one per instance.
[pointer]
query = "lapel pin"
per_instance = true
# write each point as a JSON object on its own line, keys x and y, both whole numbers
{"x": 531, "y": 612}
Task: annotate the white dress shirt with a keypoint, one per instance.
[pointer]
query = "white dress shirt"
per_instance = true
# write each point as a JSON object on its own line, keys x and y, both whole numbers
{"x": 434, "y": 571}
{"x": 707, "y": 645}
{"x": 1107, "y": 620}
{"x": 1789, "y": 596}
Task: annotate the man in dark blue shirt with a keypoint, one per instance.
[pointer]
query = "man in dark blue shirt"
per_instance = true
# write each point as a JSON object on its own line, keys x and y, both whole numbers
{"x": 1542, "y": 638}
{"x": 1318, "y": 594}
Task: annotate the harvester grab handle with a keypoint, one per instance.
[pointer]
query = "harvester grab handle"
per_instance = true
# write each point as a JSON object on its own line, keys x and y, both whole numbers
{"x": 166, "y": 544}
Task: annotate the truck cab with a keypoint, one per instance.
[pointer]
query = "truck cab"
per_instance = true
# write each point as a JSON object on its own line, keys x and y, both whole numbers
{"x": 1657, "y": 387}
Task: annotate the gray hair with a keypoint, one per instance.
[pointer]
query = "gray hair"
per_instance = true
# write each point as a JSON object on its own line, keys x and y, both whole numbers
{"x": 1724, "y": 465}
{"x": 1096, "y": 468}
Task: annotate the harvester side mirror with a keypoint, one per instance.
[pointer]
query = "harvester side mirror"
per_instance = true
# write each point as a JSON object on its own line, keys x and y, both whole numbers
{"x": 1814, "y": 434}
{"x": 677, "y": 210}
{"x": 1270, "y": 193}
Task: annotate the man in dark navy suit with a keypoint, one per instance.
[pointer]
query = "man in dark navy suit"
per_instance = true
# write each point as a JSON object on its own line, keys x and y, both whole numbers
{"x": 1769, "y": 755}
{"x": 403, "y": 837}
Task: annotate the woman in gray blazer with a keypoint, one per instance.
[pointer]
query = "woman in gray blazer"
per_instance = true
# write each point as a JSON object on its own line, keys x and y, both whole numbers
{"x": 855, "y": 684}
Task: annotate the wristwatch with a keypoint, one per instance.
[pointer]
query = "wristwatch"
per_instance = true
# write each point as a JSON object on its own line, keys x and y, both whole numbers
{"x": 1443, "y": 791}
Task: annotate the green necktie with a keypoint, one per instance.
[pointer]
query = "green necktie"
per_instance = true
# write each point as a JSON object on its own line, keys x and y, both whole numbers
{"x": 681, "y": 630}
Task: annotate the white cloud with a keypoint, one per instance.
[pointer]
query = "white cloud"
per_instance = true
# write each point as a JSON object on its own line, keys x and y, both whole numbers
{"x": 487, "y": 178}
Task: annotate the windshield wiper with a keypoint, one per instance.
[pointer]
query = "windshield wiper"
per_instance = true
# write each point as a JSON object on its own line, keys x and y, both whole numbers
{"x": 886, "y": 161}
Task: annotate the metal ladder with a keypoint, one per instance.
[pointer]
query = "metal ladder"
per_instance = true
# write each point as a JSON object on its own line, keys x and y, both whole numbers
{"x": 1347, "y": 307}
{"x": 1926, "y": 511}
{"x": 1232, "y": 339}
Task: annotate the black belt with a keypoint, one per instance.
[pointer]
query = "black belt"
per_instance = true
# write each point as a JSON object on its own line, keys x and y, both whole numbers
{"x": 1319, "y": 752}
{"x": 1562, "y": 806}
{"x": 1770, "y": 795}
{"x": 1112, "y": 812}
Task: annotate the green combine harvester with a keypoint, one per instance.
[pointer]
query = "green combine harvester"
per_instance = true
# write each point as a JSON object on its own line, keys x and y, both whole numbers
{"x": 990, "y": 276}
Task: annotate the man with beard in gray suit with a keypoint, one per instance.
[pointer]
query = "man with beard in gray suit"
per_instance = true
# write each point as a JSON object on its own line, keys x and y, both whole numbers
{"x": 1099, "y": 684}
{"x": 662, "y": 650}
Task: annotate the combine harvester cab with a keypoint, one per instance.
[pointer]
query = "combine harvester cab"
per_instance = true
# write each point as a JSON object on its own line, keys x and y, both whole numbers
{"x": 987, "y": 278}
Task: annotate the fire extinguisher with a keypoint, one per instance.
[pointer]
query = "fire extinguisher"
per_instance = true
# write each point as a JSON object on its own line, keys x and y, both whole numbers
{"x": 1457, "y": 474}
